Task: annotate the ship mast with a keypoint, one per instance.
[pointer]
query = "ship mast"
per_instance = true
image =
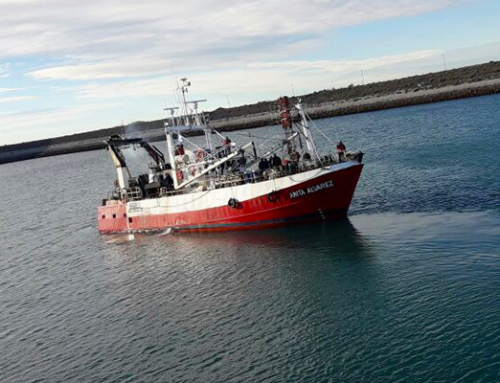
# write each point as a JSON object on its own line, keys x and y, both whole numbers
{"x": 198, "y": 122}
{"x": 183, "y": 87}
{"x": 304, "y": 124}
{"x": 173, "y": 120}
{"x": 285, "y": 119}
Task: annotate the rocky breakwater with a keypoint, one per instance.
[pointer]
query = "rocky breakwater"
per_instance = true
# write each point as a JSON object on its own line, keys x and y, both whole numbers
{"x": 404, "y": 98}
{"x": 153, "y": 131}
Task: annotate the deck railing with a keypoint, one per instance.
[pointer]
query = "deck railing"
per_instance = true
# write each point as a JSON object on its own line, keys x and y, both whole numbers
{"x": 212, "y": 181}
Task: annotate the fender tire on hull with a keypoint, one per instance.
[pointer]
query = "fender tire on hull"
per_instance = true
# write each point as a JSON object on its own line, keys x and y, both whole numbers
{"x": 273, "y": 197}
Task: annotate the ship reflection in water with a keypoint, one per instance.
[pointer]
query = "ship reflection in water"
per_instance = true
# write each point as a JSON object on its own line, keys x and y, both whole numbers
{"x": 339, "y": 237}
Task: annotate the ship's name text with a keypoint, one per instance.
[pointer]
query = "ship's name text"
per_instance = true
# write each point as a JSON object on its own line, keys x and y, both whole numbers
{"x": 311, "y": 189}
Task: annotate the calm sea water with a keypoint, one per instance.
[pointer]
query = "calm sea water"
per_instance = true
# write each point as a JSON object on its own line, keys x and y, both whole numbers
{"x": 406, "y": 290}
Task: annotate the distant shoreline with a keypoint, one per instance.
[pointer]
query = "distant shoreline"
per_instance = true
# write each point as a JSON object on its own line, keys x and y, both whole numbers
{"x": 372, "y": 104}
{"x": 415, "y": 90}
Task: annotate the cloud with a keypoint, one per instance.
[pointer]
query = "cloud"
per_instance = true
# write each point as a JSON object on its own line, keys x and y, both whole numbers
{"x": 124, "y": 38}
{"x": 258, "y": 77}
{"x": 16, "y": 99}
{"x": 9, "y": 113}
{"x": 3, "y": 90}
{"x": 4, "y": 70}
{"x": 131, "y": 67}
{"x": 131, "y": 51}
{"x": 35, "y": 121}
{"x": 345, "y": 66}
{"x": 127, "y": 89}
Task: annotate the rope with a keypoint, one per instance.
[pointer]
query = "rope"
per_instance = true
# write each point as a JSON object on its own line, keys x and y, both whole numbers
{"x": 191, "y": 201}
{"x": 319, "y": 130}
{"x": 249, "y": 135}
{"x": 196, "y": 146}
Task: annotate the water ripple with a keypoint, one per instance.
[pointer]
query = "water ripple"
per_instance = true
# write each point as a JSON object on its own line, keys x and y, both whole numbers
{"x": 406, "y": 290}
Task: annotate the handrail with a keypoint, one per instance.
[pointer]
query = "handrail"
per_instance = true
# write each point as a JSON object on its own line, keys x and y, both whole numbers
{"x": 236, "y": 179}
{"x": 213, "y": 166}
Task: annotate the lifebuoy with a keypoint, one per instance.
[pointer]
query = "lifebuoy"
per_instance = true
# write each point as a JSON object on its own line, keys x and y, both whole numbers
{"x": 272, "y": 197}
{"x": 232, "y": 203}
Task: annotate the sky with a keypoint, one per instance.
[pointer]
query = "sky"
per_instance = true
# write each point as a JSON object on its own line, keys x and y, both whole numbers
{"x": 71, "y": 66}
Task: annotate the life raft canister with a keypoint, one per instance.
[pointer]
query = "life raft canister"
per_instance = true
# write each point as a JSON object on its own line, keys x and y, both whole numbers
{"x": 272, "y": 197}
{"x": 232, "y": 203}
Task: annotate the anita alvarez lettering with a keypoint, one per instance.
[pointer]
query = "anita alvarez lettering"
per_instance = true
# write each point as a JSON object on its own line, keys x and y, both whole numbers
{"x": 311, "y": 189}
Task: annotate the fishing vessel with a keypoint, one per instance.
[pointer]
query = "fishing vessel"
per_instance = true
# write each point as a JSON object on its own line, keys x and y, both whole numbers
{"x": 219, "y": 185}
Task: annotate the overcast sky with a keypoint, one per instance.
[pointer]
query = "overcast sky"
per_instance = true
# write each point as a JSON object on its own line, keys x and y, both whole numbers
{"x": 70, "y": 66}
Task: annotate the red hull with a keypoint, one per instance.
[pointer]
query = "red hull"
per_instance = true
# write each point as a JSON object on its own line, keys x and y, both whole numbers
{"x": 293, "y": 205}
